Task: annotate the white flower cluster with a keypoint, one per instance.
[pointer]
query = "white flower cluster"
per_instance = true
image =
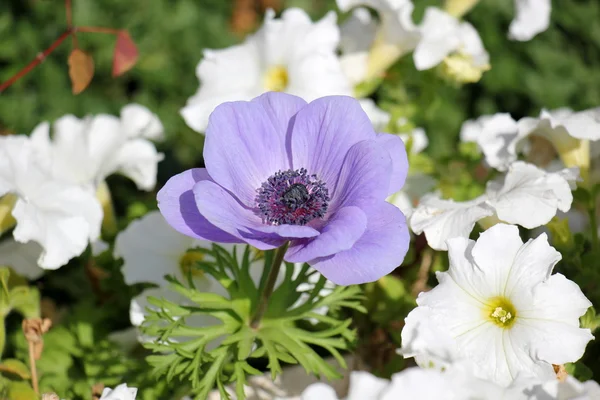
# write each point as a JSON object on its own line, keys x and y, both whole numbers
{"x": 295, "y": 55}
{"x": 57, "y": 182}
{"x": 429, "y": 384}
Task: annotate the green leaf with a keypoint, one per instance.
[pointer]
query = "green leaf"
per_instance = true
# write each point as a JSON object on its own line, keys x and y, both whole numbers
{"x": 20, "y": 390}
{"x": 15, "y": 367}
{"x": 26, "y": 300}
{"x": 590, "y": 320}
{"x": 579, "y": 370}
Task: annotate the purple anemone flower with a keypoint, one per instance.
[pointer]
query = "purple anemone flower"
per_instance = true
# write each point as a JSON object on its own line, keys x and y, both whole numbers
{"x": 316, "y": 175}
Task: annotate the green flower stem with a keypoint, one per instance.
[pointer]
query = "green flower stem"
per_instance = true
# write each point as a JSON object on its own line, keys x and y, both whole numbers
{"x": 269, "y": 286}
{"x": 594, "y": 227}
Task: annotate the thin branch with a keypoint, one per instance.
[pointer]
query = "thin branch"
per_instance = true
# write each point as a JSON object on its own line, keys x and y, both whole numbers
{"x": 98, "y": 29}
{"x": 69, "y": 13}
{"x": 38, "y": 59}
{"x": 32, "y": 366}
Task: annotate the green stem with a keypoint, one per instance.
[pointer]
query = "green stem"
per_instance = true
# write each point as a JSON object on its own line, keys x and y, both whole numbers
{"x": 269, "y": 286}
{"x": 594, "y": 227}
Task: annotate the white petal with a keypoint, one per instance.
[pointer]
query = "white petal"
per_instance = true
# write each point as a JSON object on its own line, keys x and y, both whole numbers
{"x": 357, "y": 32}
{"x": 365, "y": 386}
{"x": 472, "y": 128}
{"x": 445, "y": 219}
{"x": 429, "y": 343}
{"x": 305, "y": 49}
{"x": 498, "y": 140}
{"x": 419, "y": 140}
{"x": 472, "y": 45}
{"x": 398, "y": 28}
{"x": 121, "y": 392}
{"x": 225, "y": 75}
{"x": 80, "y": 148}
{"x": 532, "y": 17}
{"x": 440, "y": 37}
{"x": 151, "y": 249}
{"x": 138, "y": 121}
{"x": 529, "y": 196}
{"x": 98, "y": 247}
{"x": 494, "y": 253}
{"x": 378, "y": 117}
{"x": 355, "y": 66}
{"x": 319, "y": 391}
{"x": 557, "y": 299}
{"x": 21, "y": 257}
{"x": 63, "y": 222}
{"x": 417, "y": 383}
{"x": 533, "y": 265}
{"x": 62, "y": 218}
{"x": 138, "y": 160}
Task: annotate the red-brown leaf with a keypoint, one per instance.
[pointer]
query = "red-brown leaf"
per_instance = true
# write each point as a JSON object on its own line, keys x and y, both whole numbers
{"x": 81, "y": 70}
{"x": 126, "y": 54}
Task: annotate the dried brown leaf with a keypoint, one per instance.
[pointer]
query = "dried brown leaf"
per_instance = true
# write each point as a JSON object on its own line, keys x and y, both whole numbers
{"x": 81, "y": 70}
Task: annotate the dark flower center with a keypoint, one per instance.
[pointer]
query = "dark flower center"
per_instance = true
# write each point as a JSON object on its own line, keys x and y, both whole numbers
{"x": 292, "y": 197}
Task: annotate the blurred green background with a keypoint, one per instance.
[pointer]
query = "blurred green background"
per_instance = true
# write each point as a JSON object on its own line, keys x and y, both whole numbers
{"x": 558, "y": 68}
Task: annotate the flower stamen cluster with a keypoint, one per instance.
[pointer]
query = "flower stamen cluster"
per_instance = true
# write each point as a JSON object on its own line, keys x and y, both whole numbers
{"x": 292, "y": 197}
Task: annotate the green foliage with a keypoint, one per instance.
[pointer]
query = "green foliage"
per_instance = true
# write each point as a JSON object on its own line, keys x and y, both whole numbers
{"x": 226, "y": 349}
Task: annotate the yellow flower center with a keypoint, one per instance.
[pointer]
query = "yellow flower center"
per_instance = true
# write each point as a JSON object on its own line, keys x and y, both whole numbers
{"x": 459, "y": 67}
{"x": 501, "y": 312}
{"x": 187, "y": 264}
{"x": 276, "y": 79}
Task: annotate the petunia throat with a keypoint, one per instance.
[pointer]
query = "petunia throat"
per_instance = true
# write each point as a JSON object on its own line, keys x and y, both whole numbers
{"x": 292, "y": 197}
{"x": 501, "y": 311}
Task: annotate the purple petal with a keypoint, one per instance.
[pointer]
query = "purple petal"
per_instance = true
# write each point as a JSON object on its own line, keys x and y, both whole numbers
{"x": 177, "y": 205}
{"x": 324, "y": 131}
{"x": 246, "y": 142}
{"x": 343, "y": 230}
{"x": 377, "y": 253}
{"x": 227, "y": 213}
{"x": 364, "y": 176}
{"x": 395, "y": 146}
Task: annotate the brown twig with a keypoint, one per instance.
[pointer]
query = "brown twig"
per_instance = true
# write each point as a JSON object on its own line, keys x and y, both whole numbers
{"x": 71, "y": 31}
{"x": 98, "y": 29}
{"x": 33, "y": 368}
{"x": 34, "y": 329}
{"x": 420, "y": 284}
{"x": 69, "y": 13}
{"x": 38, "y": 59}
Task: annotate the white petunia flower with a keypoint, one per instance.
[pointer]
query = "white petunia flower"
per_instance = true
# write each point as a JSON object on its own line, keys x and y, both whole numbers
{"x": 151, "y": 249}
{"x": 22, "y": 258}
{"x": 363, "y": 386}
{"x": 357, "y": 36}
{"x": 502, "y": 309}
{"x": 62, "y": 217}
{"x": 417, "y": 184}
{"x": 379, "y": 118}
{"x": 442, "y": 219}
{"x": 457, "y": 44}
{"x": 526, "y": 195}
{"x": 532, "y": 17}
{"x": 502, "y": 138}
{"x": 373, "y": 52}
{"x": 86, "y": 151}
{"x": 290, "y": 54}
{"x": 570, "y": 389}
{"x": 529, "y": 196}
{"x": 471, "y": 129}
{"x": 121, "y": 392}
